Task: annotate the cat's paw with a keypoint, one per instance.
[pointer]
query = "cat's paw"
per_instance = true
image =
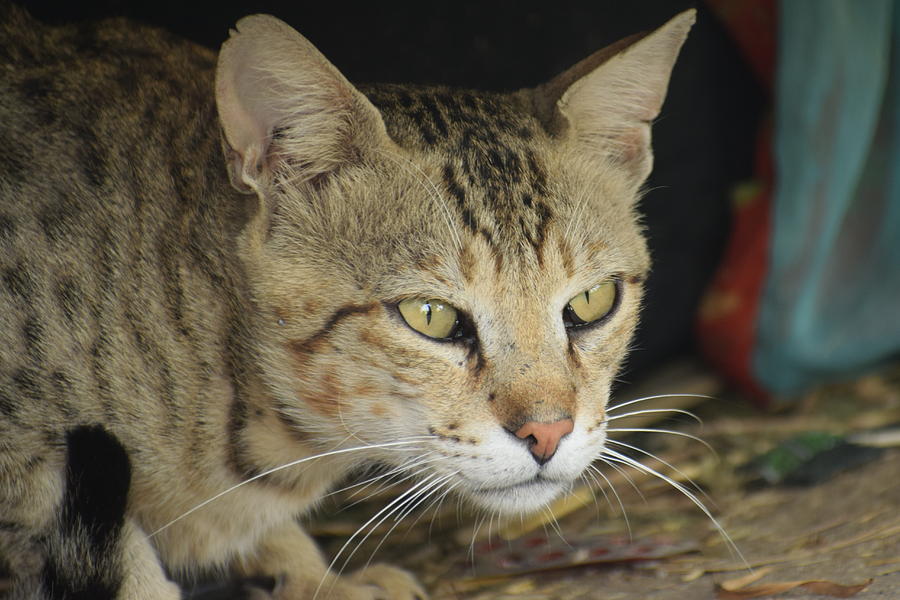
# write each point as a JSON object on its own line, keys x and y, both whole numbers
{"x": 378, "y": 582}
{"x": 392, "y": 583}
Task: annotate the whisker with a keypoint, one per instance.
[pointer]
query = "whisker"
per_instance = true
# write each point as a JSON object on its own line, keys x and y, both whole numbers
{"x": 615, "y": 493}
{"x": 412, "y": 505}
{"x": 384, "y": 486}
{"x": 432, "y": 489}
{"x": 392, "y": 506}
{"x": 627, "y": 460}
{"x": 656, "y": 397}
{"x": 475, "y": 531}
{"x": 280, "y": 468}
{"x": 667, "y": 431}
{"x": 399, "y": 470}
{"x": 590, "y": 488}
{"x": 626, "y": 477}
{"x": 649, "y": 411}
{"x": 664, "y": 462}
{"x": 437, "y": 509}
{"x": 554, "y": 523}
{"x": 438, "y": 500}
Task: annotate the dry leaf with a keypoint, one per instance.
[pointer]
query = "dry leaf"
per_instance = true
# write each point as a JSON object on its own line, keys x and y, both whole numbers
{"x": 745, "y": 580}
{"x": 825, "y": 588}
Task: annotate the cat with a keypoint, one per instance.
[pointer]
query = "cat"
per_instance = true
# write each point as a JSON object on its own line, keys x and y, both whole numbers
{"x": 215, "y": 267}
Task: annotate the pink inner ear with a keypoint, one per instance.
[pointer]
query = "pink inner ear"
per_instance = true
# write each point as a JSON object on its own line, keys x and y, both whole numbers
{"x": 631, "y": 145}
{"x": 610, "y": 108}
{"x": 246, "y": 116}
{"x": 270, "y": 77}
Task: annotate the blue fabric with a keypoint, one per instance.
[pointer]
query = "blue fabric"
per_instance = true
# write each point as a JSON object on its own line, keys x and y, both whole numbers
{"x": 831, "y": 302}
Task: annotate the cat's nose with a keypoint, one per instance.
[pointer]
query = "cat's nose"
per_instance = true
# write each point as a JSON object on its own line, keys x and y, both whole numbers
{"x": 543, "y": 438}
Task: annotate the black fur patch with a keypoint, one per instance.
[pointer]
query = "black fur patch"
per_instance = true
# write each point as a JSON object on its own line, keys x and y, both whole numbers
{"x": 98, "y": 476}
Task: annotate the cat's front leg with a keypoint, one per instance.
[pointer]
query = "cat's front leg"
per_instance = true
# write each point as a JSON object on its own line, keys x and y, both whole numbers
{"x": 144, "y": 578}
{"x": 291, "y": 556}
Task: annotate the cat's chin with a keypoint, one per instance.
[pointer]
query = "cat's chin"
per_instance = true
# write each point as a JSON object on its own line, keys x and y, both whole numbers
{"x": 521, "y": 498}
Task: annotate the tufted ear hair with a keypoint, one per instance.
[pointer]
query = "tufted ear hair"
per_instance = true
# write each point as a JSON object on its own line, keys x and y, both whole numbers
{"x": 282, "y": 104}
{"x": 607, "y": 101}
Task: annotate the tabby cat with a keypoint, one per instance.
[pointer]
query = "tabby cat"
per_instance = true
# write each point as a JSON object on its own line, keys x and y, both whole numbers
{"x": 442, "y": 281}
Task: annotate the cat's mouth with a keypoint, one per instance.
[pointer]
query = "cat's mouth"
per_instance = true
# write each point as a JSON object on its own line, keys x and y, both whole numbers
{"x": 528, "y": 483}
{"x": 523, "y": 496}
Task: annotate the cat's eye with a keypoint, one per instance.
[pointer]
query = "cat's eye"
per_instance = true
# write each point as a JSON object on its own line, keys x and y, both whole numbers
{"x": 592, "y": 304}
{"x": 434, "y": 318}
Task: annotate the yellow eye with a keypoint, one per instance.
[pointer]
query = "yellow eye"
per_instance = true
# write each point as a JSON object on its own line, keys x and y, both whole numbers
{"x": 591, "y": 305}
{"x": 434, "y": 318}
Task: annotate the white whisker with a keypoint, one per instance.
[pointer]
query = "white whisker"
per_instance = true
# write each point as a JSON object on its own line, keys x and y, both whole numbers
{"x": 656, "y": 397}
{"x": 396, "y": 504}
{"x": 664, "y": 462}
{"x": 383, "y": 486}
{"x": 280, "y": 468}
{"x": 553, "y": 522}
{"x": 625, "y": 476}
{"x": 649, "y": 411}
{"x": 403, "y": 469}
{"x": 666, "y": 431}
{"x": 616, "y": 495}
{"x": 627, "y": 460}
{"x": 437, "y": 509}
{"x": 415, "y": 502}
{"x": 479, "y": 522}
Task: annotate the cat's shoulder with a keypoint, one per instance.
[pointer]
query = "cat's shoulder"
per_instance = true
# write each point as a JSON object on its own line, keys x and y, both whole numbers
{"x": 94, "y": 66}
{"x": 27, "y": 42}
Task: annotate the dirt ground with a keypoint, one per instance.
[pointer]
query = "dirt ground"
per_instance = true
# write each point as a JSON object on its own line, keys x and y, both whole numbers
{"x": 839, "y": 533}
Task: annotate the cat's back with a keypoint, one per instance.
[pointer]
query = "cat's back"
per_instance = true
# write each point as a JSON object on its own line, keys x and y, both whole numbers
{"x": 110, "y": 171}
{"x": 75, "y": 98}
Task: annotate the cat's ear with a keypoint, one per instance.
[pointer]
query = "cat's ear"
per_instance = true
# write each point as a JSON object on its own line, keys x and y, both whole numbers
{"x": 282, "y": 103}
{"x": 607, "y": 101}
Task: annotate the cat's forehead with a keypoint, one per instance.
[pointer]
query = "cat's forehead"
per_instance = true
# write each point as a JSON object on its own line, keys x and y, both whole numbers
{"x": 490, "y": 154}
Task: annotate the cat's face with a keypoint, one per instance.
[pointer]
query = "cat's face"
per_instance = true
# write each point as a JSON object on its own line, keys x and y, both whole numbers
{"x": 457, "y": 270}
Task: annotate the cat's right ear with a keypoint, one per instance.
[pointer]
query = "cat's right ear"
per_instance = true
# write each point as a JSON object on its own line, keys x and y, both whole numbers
{"x": 283, "y": 105}
{"x": 606, "y": 103}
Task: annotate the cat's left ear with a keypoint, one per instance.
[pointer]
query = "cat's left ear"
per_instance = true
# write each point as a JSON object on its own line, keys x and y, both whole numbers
{"x": 282, "y": 104}
{"x": 607, "y": 101}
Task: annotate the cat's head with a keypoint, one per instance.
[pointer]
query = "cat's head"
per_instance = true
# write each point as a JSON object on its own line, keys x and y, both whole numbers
{"x": 459, "y": 270}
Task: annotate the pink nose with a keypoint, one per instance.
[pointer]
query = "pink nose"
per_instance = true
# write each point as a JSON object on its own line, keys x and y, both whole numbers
{"x": 546, "y": 437}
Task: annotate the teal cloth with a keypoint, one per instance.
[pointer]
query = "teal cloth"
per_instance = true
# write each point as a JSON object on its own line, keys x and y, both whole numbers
{"x": 831, "y": 303}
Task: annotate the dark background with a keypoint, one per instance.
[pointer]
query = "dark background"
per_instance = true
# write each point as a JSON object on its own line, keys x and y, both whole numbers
{"x": 703, "y": 140}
